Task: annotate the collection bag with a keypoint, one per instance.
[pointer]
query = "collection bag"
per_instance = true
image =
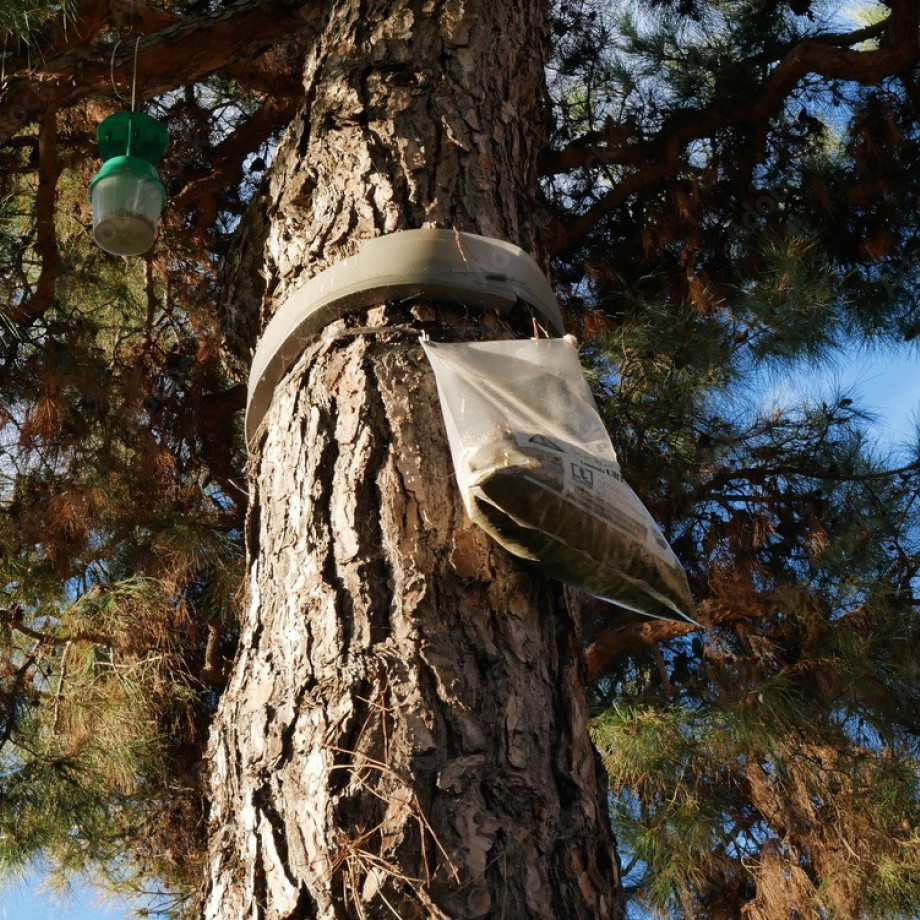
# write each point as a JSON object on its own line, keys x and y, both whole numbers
{"x": 538, "y": 473}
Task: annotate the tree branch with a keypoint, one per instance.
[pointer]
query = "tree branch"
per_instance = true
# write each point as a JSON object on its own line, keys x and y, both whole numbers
{"x": 563, "y": 235}
{"x": 11, "y": 618}
{"x": 225, "y": 161}
{"x": 175, "y": 56}
{"x": 132, "y": 16}
{"x": 630, "y": 637}
{"x": 93, "y": 15}
{"x": 662, "y": 154}
{"x": 643, "y": 633}
{"x": 45, "y": 236}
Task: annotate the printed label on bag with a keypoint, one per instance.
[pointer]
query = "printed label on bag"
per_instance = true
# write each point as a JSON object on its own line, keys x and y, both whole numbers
{"x": 589, "y": 484}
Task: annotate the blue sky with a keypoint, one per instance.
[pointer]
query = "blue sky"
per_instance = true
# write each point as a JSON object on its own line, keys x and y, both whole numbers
{"x": 882, "y": 382}
{"x": 891, "y": 387}
{"x": 28, "y": 901}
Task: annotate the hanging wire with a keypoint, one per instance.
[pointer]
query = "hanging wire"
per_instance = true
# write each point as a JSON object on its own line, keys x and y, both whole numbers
{"x": 118, "y": 95}
{"x": 134, "y": 77}
{"x": 131, "y": 17}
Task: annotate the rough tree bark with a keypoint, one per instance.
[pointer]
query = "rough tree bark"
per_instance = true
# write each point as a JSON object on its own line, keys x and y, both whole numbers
{"x": 404, "y": 732}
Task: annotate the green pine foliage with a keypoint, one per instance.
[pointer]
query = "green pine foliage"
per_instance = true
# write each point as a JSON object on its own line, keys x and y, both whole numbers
{"x": 121, "y": 504}
{"x": 765, "y": 766}
{"x": 27, "y": 20}
{"x": 102, "y": 754}
{"x": 770, "y": 761}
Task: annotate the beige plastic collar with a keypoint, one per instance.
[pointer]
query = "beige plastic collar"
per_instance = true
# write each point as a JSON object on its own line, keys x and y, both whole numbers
{"x": 443, "y": 265}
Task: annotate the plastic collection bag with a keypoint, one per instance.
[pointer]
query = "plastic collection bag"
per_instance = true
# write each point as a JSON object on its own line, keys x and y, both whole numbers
{"x": 538, "y": 473}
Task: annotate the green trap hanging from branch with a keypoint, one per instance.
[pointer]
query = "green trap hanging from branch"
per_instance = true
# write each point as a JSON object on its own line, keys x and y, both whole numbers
{"x": 126, "y": 194}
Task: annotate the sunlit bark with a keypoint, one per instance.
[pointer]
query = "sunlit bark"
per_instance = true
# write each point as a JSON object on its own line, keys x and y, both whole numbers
{"x": 404, "y": 733}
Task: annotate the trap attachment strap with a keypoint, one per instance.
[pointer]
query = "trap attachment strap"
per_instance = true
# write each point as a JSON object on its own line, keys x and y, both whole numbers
{"x": 441, "y": 265}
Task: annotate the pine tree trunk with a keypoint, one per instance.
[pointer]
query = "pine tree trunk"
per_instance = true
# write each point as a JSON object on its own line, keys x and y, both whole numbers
{"x": 404, "y": 733}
